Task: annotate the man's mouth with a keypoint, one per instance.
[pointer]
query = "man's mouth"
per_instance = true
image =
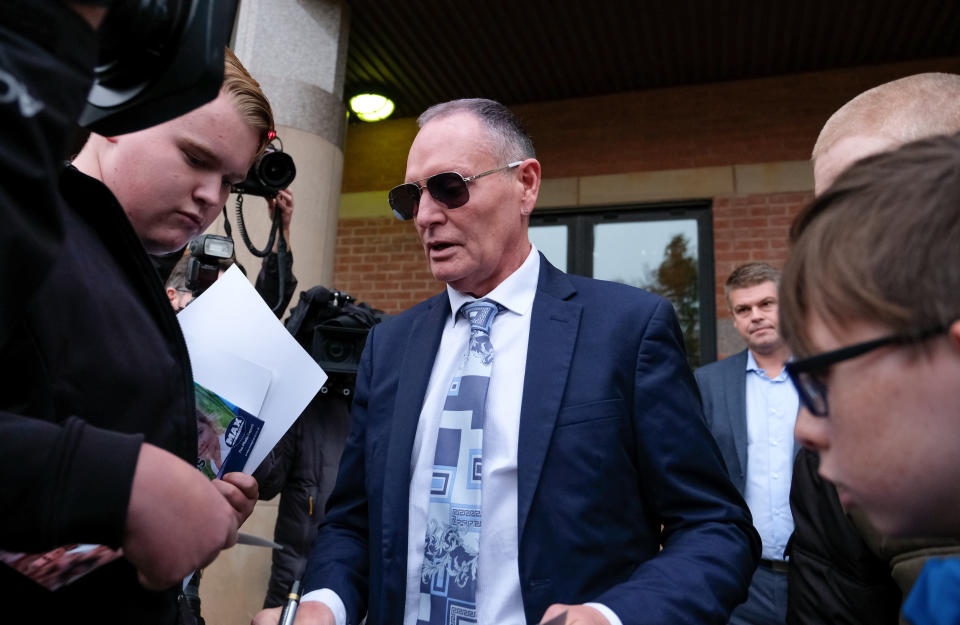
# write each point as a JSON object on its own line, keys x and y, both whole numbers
{"x": 439, "y": 246}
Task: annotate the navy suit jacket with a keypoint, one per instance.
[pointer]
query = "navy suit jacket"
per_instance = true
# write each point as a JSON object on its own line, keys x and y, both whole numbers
{"x": 723, "y": 389}
{"x": 612, "y": 445}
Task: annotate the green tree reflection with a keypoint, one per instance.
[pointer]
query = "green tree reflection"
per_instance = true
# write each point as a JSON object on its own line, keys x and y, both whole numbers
{"x": 676, "y": 279}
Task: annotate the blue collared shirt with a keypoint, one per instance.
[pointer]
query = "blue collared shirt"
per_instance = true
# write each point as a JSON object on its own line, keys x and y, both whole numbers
{"x": 772, "y": 406}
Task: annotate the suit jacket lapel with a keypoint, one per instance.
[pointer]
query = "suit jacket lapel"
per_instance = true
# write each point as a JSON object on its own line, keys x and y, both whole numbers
{"x": 554, "y": 326}
{"x": 736, "y": 382}
{"x": 420, "y": 351}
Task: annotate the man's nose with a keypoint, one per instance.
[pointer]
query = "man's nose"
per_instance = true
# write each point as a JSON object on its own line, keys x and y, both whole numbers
{"x": 429, "y": 211}
{"x": 811, "y": 431}
{"x": 211, "y": 191}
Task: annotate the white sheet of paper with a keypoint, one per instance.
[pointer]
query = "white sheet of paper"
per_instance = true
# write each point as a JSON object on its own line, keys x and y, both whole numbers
{"x": 231, "y": 318}
{"x": 236, "y": 379}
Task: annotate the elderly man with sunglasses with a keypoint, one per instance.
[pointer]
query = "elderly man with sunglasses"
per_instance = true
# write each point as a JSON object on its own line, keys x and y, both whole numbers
{"x": 870, "y": 304}
{"x": 553, "y": 492}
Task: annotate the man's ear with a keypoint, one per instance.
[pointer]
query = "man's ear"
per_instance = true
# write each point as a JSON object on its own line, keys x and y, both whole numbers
{"x": 172, "y": 296}
{"x": 954, "y": 333}
{"x": 529, "y": 176}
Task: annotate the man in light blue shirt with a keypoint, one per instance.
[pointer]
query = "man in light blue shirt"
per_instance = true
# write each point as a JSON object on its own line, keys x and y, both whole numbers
{"x": 751, "y": 407}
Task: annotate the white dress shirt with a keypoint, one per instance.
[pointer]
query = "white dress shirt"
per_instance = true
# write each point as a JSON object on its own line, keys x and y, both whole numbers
{"x": 499, "y": 601}
{"x": 772, "y": 406}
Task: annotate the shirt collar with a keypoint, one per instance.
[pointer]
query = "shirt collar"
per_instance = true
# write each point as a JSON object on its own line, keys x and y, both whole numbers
{"x": 753, "y": 366}
{"x": 515, "y": 293}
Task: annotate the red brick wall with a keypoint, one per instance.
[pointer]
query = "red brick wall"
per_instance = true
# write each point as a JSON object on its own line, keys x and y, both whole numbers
{"x": 747, "y": 121}
{"x": 379, "y": 261}
{"x": 755, "y": 121}
{"x": 751, "y": 228}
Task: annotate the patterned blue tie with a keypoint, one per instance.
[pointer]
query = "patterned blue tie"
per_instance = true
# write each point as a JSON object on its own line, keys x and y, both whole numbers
{"x": 448, "y": 580}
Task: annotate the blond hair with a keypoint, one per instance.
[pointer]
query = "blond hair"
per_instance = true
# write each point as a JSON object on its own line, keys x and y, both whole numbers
{"x": 248, "y": 98}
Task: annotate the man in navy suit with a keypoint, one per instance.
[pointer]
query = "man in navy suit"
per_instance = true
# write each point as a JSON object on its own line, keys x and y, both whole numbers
{"x": 595, "y": 452}
{"x": 751, "y": 407}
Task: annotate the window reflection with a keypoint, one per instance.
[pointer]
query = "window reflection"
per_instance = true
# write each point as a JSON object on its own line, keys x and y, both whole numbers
{"x": 552, "y": 241}
{"x": 659, "y": 256}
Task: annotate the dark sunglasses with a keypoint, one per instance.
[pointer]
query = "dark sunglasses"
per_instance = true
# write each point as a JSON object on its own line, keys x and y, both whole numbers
{"x": 449, "y": 188}
{"x": 808, "y": 374}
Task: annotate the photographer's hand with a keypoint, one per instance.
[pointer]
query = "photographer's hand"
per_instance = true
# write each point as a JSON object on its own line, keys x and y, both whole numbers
{"x": 283, "y": 201}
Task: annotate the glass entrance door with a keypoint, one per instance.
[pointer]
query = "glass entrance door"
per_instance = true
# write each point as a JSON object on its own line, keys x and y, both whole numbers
{"x": 668, "y": 252}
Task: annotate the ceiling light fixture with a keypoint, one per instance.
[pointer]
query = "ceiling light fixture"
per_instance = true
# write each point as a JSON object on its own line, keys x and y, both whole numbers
{"x": 371, "y": 107}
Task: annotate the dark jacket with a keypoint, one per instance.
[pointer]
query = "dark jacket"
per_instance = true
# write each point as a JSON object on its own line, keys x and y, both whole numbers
{"x": 47, "y": 55}
{"x": 614, "y": 461}
{"x": 834, "y": 576}
{"x": 302, "y": 468}
{"x": 842, "y": 570}
{"x": 268, "y": 282}
{"x": 100, "y": 365}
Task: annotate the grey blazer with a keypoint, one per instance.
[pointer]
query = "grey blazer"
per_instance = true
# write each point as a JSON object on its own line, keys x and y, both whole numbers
{"x": 723, "y": 390}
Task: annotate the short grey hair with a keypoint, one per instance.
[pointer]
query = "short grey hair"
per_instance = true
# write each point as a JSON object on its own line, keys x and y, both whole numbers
{"x": 511, "y": 142}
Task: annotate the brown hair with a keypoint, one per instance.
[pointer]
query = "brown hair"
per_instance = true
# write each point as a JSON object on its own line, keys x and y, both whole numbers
{"x": 248, "y": 98}
{"x": 881, "y": 245}
{"x": 750, "y": 274}
{"x": 902, "y": 110}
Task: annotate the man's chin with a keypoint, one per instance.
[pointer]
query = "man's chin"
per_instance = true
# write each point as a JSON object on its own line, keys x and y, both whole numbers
{"x": 166, "y": 245}
{"x": 445, "y": 272}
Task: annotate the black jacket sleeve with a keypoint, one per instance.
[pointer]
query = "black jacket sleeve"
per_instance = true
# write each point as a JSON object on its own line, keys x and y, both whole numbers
{"x": 268, "y": 282}
{"x": 47, "y": 55}
{"x": 51, "y": 472}
{"x": 63, "y": 483}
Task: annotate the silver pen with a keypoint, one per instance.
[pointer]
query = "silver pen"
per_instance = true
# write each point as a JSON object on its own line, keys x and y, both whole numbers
{"x": 256, "y": 541}
{"x": 290, "y": 609}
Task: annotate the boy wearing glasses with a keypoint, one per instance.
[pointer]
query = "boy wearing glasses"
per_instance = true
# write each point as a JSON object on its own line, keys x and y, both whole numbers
{"x": 870, "y": 305}
{"x": 842, "y": 570}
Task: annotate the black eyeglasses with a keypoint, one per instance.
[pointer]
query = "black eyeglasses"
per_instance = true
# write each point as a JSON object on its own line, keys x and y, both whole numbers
{"x": 808, "y": 374}
{"x": 449, "y": 188}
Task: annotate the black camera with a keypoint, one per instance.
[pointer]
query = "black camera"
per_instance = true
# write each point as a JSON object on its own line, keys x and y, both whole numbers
{"x": 337, "y": 348}
{"x": 207, "y": 253}
{"x": 272, "y": 172}
{"x": 158, "y": 59}
{"x": 333, "y": 328}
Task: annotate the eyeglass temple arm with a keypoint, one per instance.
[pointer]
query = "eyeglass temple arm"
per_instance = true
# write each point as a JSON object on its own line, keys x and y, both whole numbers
{"x": 492, "y": 171}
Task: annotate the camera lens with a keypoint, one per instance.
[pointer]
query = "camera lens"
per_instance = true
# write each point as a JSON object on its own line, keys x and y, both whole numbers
{"x": 276, "y": 170}
{"x": 337, "y": 351}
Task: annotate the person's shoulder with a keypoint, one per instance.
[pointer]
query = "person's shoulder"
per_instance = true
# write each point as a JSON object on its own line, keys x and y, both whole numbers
{"x": 605, "y": 292}
{"x": 718, "y": 367}
{"x": 403, "y": 318}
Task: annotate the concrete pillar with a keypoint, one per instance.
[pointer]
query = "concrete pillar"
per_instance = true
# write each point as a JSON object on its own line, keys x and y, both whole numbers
{"x": 296, "y": 50}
